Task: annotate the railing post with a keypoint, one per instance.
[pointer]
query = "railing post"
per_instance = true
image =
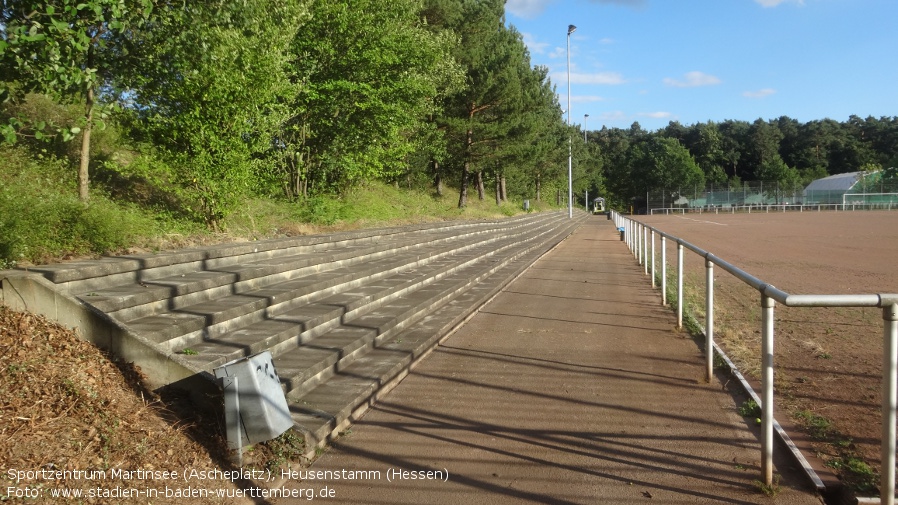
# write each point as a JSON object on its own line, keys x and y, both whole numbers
{"x": 889, "y": 376}
{"x": 653, "y": 259}
{"x": 635, "y": 248}
{"x": 645, "y": 249}
{"x": 638, "y": 249}
{"x": 709, "y": 319}
{"x": 679, "y": 285}
{"x": 628, "y": 235}
{"x": 767, "y": 305}
{"x": 663, "y": 270}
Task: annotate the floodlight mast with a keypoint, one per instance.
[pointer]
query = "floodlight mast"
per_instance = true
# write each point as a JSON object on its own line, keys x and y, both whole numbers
{"x": 570, "y": 180}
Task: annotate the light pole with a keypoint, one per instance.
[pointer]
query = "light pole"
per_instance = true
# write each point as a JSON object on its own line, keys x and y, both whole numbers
{"x": 570, "y": 154}
{"x": 584, "y": 127}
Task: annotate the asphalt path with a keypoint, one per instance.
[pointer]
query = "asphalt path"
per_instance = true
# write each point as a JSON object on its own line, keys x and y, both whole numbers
{"x": 572, "y": 386}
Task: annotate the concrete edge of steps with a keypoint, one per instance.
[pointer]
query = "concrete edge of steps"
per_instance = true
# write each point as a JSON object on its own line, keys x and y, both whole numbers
{"x": 442, "y": 291}
{"x": 25, "y": 291}
{"x": 31, "y": 290}
{"x": 253, "y": 314}
{"x": 225, "y": 254}
{"x": 352, "y": 391}
{"x": 183, "y": 278}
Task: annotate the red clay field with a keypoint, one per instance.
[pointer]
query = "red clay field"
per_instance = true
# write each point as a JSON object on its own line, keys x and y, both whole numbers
{"x": 828, "y": 369}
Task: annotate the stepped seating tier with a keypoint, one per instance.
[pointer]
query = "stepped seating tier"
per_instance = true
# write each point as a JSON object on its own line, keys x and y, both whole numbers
{"x": 344, "y": 315}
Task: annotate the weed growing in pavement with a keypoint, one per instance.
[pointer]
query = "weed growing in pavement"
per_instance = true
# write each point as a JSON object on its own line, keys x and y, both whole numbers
{"x": 770, "y": 490}
{"x": 819, "y": 427}
{"x": 284, "y": 449}
{"x": 856, "y": 473}
{"x": 750, "y": 408}
{"x": 859, "y": 475}
{"x": 720, "y": 363}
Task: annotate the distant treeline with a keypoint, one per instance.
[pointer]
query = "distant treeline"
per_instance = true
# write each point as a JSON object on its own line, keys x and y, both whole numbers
{"x": 780, "y": 150}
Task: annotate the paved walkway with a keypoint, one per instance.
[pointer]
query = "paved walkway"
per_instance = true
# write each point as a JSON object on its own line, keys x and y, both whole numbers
{"x": 571, "y": 386}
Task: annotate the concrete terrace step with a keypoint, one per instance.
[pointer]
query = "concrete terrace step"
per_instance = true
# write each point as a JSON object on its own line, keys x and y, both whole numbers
{"x": 322, "y": 408}
{"x": 223, "y": 338}
{"x": 91, "y": 275}
{"x": 132, "y": 295}
{"x": 344, "y": 315}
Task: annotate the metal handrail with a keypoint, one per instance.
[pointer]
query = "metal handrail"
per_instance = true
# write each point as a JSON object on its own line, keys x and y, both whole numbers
{"x": 775, "y": 207}
{"x": 636, "y": 236}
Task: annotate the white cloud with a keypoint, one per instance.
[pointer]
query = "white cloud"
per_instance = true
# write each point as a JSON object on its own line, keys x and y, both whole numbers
{"x": 761, "y": 93}
{"x": 527, "y": 9}
{"x": 774, "y": 3}
{"x": 656, "y": 115}
{"x": 586, "y": 98}
{"x": 558, "y": 52}
{"x": 534, "y": 46}
{"x": 609, "y": 78}
{"x": 693, "y": 79}
{"x": 613, "y": 116}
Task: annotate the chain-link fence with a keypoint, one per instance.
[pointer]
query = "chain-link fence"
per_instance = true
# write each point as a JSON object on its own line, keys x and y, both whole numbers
{"x": 749, "y": 193}
{"x": 874, "y": 191}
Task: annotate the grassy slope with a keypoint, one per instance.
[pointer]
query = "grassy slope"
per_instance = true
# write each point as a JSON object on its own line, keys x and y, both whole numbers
{"x": 42, "y": 221}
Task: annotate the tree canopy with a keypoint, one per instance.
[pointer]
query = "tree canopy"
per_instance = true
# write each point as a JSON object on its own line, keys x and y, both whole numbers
{"x": 293, "y": 99}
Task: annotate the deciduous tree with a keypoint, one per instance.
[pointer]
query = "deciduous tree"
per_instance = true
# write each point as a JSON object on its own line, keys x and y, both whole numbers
{"x": 68, "y": 49}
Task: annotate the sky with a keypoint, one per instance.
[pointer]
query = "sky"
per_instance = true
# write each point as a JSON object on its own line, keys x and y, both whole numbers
{"x": 693, "y": 61}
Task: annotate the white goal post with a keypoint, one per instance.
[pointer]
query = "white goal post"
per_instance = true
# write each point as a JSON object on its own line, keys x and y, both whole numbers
{"x": 876, "y": 200}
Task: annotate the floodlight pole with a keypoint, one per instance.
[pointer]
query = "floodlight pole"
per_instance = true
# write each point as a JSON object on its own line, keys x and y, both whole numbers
{"x": 570, "y": 155}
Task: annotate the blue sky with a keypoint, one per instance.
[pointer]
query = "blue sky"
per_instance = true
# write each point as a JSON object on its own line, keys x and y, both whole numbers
{"x": 656, "y": 61}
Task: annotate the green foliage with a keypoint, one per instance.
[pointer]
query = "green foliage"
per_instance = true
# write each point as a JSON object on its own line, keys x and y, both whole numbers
{"x": 283, "y": 450}
{"x": 40, "y": 216}
{"x": 505, "y": 123}
{"x": 369, "y": 74}
{"x": 67, "y": 49}
{"x": 378, "y": 203}
{"x": 217, "y": 78}
{"x": 750, "y": 408}
{"x": 858, "y": 474}
{"x": 818, "y": 426}
{"x": 237, "y": 99}
{"x": 769, "y": 490}
{"x": 661, "y": 162}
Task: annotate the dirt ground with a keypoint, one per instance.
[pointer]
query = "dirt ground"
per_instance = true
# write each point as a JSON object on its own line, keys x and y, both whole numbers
{"x": 827, "y": 360}
{"x": 72, "y": 420}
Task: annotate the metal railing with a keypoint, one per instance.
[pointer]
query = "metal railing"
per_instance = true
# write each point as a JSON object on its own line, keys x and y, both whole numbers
{"x": 768, "y": 208}
{"x": 640, "y": 238}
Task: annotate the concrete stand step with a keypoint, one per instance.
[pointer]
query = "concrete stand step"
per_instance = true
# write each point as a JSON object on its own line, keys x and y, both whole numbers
{"x": 344, "y": 315}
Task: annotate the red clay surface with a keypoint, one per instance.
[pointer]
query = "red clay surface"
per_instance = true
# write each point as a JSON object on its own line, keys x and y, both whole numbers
{"x": 828, "y": 360}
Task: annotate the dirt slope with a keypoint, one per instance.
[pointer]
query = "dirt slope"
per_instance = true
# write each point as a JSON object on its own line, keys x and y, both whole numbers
{"x": 70, "y": 418}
